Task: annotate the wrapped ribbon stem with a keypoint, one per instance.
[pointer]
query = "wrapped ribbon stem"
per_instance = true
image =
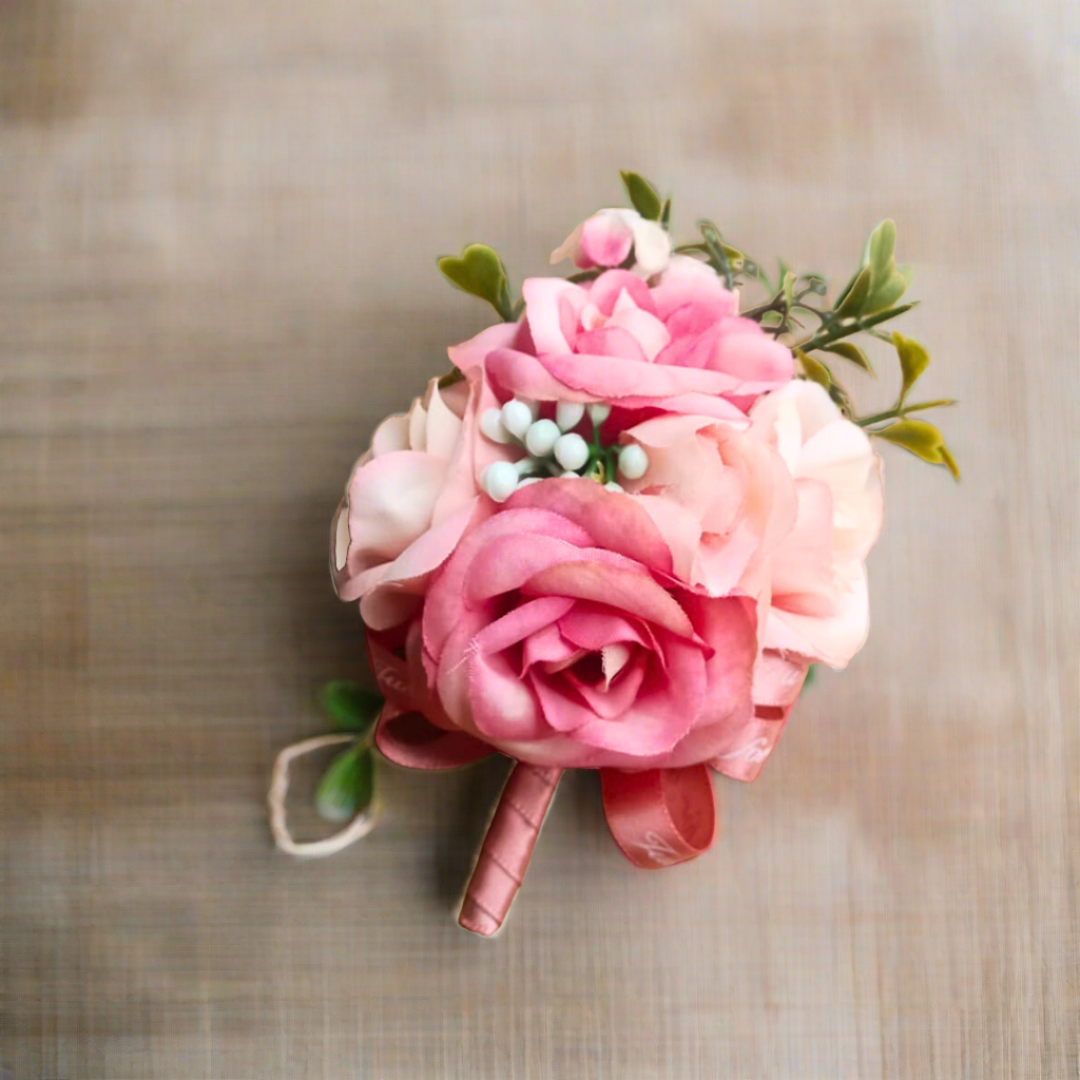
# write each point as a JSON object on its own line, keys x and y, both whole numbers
{"x": 507, "y": 847}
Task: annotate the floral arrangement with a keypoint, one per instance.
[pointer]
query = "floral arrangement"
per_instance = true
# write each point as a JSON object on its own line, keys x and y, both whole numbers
{"x": 619, "y": 532}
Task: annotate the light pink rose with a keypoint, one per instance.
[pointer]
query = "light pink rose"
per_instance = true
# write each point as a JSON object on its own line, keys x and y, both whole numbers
{"x": 819, "y": 606}
{"x": 678, "y": 346}
{"x": 408, "y": 501}
{"x": 558, "y": 634}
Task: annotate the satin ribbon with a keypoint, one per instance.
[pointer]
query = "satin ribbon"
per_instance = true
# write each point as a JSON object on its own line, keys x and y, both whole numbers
{"x": 660, "y": 817}
{"x": 507, "y": 847}
{"x": 404, "y": 735}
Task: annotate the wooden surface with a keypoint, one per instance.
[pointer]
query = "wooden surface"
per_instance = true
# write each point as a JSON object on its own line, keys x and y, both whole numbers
{"x": 217, "y": 227}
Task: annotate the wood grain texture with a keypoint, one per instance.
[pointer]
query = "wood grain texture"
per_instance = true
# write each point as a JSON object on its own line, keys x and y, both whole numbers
{"x": 217, "y": 229}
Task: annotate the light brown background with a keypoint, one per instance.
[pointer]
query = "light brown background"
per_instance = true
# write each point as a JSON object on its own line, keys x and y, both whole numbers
{"x": 217, "y": 227}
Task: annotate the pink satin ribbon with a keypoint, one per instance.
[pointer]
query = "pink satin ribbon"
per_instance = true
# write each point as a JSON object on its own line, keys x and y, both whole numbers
{"x": 507, "y": 847}
{"x": 660, "y": 817}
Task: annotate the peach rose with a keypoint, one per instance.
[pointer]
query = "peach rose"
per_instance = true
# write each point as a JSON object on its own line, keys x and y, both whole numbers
{"x": 819, "y": 605}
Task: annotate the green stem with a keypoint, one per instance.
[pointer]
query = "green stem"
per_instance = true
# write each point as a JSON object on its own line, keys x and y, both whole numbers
{"x": 898, "y": 412}
{"x": 835, "y": 333}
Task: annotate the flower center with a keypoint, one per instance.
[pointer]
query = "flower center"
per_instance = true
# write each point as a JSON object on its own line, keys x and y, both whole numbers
{"x": 555, "y": 448}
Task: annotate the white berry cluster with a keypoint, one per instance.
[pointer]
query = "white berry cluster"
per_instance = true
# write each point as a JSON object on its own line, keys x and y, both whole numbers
{"x": 552, "y": 447}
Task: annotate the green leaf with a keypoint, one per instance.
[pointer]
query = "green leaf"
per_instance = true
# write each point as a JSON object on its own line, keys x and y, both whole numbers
{"x": 734, "y": 255}
{"x": 914, "y": 360}
{"x": 665, "y": 214}
{"x": 939, "y": 403}
{"x": 480, "y": 272}
{"x": 643, "y": 196}
{"x": 349, "y": 706}
{"x": 921, "y": 439}
{"x": 887, "y": 283}
{"x": 880, "y": 251}
{"x": 856, "y": 296}
{"x": 347, "y": 786}
{"x": 787, "y": 287}
{"x": 841, "y": 398}
{"x": 950, "y": 462}
{"x": 852, "y": 353}
{"x": 815, "y": 370}
{"x": 811, "y": 675}
{"x": 717, "y": 252}
{"x": 847, "y": 288}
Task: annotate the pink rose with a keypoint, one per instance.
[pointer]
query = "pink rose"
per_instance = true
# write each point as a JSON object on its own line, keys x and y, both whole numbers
{"x": 557, "y": 633}
{"x": 678, "y": 346}
{"x": 819, "y": 606}
{"x": 407, "y": 503}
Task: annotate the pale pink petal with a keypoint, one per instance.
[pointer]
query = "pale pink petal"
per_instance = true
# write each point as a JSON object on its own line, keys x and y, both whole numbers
{"x": 689, "y": 281}
{"x": 425, "y": 554}
{"x": 605, "y": 291}
{"x": 443, "y": 427}
{"x": 680, "y": 528}
{"x": 803, "y": 565}
{"x": 778, "y": 679}
{"x": 611, "y": 340}
{"x": 471, "y": 354}
{"x": 418, "y": 426}
{"x": 649, "y": 332}
{"x": 606, "y": 240}
{"x": 391, "y": 435}
{"x": 547, "y": 301}
{"x": 390, "y": 501}
{"x": 652, "y": 246}
{"x": 744, "y": 350}
{"x": 833, "y": 640}
{"x": 570, "y": 248}
{"x": 387, "y": 606}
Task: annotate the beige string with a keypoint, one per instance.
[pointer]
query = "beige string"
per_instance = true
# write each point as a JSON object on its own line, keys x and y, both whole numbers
{"x": 357, "y": 829}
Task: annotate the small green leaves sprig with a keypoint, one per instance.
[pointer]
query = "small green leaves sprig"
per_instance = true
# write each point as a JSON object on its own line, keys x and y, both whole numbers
{"x": 870, "y": 299}
{"x": 348, "y": 785}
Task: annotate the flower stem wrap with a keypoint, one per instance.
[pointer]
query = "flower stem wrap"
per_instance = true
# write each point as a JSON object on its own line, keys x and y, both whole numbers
{"x": 508, "y": 846}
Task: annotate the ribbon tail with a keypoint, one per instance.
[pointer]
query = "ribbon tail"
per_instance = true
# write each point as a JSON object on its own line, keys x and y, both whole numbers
{"x": 409, "y": 739}
{"x": 660, "y": 817}
{"x": 507, "y": 847}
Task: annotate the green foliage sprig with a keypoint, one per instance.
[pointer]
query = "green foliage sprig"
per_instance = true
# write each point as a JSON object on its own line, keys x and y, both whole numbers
{"x": 348, "y": 784}
{"x": 870, "y": 299}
